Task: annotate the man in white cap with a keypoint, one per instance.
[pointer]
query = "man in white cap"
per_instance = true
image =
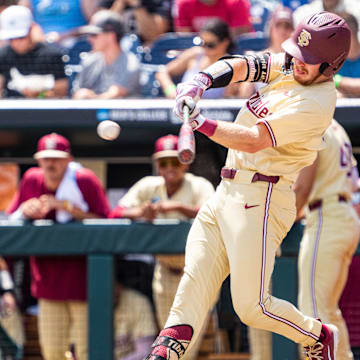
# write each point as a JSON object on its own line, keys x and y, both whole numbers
{"x": 27, "y": 68}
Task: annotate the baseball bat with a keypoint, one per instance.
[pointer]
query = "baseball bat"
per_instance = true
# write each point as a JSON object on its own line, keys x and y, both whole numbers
{"x": 186, "y": 144}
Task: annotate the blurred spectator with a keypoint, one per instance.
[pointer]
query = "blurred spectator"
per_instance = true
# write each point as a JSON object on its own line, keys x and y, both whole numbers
{"x": 28, "y": 69}
{"x": 334, "y": 6}
{"x": 60, "y": 190}
{"x": 279, "y": 28}
{"x": 347, "y": 80}
{"x": 108, "y": 72}
{"x": 134, "y": 330}
{"x": 216, "y": 42}
{"x": 174, "y": 194}
{"x": 147, "y": 18}
{"x": 191, "y": 15}
{"x": 58, "y": 18}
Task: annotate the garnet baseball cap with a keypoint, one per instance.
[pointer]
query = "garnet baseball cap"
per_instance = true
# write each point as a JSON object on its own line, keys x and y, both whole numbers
{"x": 104, "y": 21}
{"x": 53, "y": 146}
{"x": 166, "y": 146}
{"x": 15, "y": 22}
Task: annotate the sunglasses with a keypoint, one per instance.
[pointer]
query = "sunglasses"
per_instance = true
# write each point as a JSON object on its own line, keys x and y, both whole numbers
{"x": 210, "y": 44}
{"x": 173, "y": 162}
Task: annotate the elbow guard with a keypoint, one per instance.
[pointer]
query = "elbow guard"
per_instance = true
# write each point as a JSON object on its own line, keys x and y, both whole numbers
{"x": 220, "y": 73}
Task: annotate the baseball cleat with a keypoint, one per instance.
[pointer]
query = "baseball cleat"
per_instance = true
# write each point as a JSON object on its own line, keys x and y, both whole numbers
{"x": 324, "y": 349}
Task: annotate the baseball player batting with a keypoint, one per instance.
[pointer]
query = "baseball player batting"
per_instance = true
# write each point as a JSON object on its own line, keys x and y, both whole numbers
{"x": 276, "y": 134}
{"x": 326, "y": 252}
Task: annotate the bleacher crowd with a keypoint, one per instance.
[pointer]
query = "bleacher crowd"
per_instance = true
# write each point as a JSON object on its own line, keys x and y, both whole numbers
{"x": 116, "y": 49}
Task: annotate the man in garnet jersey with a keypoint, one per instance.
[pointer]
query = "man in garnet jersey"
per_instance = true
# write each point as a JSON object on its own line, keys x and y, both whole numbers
{"x": 61, "y": 190}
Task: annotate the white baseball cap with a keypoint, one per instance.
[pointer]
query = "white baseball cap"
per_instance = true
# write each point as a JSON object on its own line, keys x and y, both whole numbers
{"x": 15, "y": 22}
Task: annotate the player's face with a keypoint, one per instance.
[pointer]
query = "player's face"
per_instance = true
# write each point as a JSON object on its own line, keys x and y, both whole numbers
{"x": 171, "y": 170}
{"x": 54, "y": 168}
{"x": 307, "y": 74}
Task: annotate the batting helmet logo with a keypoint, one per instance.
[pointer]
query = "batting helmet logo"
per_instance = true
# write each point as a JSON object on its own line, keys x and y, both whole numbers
{"x": 304, "y": 38}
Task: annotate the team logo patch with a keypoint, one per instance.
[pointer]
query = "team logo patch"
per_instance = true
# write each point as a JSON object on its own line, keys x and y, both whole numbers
{"x": 50, "y": 144}
{"x": 168, "y": 144}
{"x": 304, "y": 38}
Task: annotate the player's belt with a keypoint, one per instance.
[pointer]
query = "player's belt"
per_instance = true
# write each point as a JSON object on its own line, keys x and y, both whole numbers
{"x": 229, "y": 173}
{"x": 318, "y": 203}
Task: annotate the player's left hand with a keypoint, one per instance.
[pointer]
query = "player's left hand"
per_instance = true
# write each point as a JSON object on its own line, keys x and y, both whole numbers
{"x": 190, "y": 92}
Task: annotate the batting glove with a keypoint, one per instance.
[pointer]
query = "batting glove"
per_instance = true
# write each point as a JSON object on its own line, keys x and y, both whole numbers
{"x": 195, "y": 118}
{"x": 190, "y": 90}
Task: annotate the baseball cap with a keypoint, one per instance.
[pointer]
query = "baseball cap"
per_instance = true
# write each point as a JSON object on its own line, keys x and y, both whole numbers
{"x": 104, "y": 21}
{"x": 52, "y": 146}
{"x": 282, "y": 13}
{"x": 166, "y": 146}
{"x": 15, "y": 22}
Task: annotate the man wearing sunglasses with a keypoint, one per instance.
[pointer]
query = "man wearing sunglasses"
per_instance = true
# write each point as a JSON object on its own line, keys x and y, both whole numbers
{"x": 172, "y": 194}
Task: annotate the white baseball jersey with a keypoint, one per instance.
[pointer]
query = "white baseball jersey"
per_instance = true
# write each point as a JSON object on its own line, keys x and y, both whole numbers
{"x": 296, "y": 117}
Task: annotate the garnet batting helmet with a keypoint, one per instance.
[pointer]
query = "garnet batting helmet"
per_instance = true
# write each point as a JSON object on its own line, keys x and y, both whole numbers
{"x": 322, "y": 38}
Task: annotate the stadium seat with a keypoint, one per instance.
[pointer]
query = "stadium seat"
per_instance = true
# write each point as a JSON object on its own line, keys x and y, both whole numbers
{"x": 73, "y": 58}
{"x": 167, "y": 47}
{"x": 162, "y": 51}
{"x": 255, "y": 41}
{"x": 149, "y": 86}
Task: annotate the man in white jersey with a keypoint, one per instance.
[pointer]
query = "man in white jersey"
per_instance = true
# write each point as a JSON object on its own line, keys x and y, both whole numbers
{"x": 326, "y": 187}
{"x": 238, "y": 230}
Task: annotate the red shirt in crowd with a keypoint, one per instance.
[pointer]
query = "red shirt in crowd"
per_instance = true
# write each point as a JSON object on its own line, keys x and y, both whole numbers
{"x": 54, "y": 277}
{"x": 194, "y": 13}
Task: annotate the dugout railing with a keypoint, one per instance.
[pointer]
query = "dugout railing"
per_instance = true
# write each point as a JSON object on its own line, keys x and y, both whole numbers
{"x": 101, "y": 240}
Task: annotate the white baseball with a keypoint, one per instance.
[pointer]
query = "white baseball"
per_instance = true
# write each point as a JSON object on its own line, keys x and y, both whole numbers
{"x": 108, "y": 130}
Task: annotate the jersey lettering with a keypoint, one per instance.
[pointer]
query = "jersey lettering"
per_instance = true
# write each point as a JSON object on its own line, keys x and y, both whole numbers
{"x": 258, "y": 106}
{"x": 345, "y": 157}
